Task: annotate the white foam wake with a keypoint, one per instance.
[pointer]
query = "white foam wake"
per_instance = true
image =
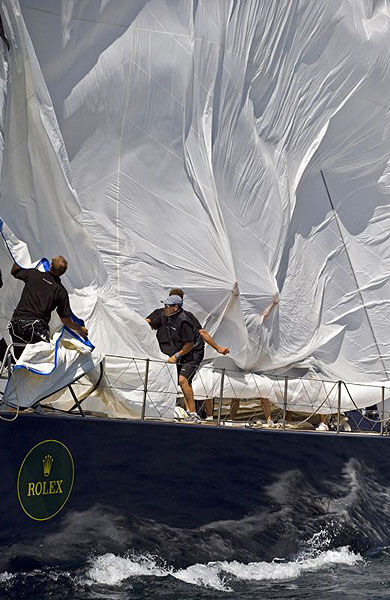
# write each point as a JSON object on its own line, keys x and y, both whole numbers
{"x": 6, "y": 576}
{"x": 112, "y": 570}
{"x": 276, "y": 570}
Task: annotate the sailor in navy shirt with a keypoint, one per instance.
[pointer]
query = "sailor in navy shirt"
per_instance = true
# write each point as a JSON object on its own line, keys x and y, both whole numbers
{"x": 176, "y": 336}
{"x": 156, "y": 321}
{"x": 43, "y": 292}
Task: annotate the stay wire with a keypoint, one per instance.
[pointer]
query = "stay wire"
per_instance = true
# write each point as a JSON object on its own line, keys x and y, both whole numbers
{"x": 354, "y": 275}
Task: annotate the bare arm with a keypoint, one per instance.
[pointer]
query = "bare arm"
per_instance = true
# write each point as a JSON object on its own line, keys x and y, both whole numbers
{"x": 275, "y": 300}
{"x": 187, "y": 347}
{"x": 68, "y": 322}
{"x": 211, "y": 342}
{"x": 15, "y": 268}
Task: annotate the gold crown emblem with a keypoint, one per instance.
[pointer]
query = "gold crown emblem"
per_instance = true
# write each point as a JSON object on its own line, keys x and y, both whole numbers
{"x": 47, "y": 465}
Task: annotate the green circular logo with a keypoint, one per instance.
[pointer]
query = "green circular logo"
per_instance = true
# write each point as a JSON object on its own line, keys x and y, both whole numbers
{"x": 45, "y": 480}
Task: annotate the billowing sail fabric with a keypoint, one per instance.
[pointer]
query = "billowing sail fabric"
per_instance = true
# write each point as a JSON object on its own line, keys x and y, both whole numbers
{"x": 39, "y": 205}
{"x": 239, "y": 150}
{"x": 47, "y": 366}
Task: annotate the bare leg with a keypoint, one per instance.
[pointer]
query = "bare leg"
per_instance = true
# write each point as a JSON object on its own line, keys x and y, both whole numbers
{"x": 234, "y": 406}
{"x": 188, "y": 393}
{"x": 208, "y": 406}
{"x": 265, "y": 405}
{"x": 323, "y": 426}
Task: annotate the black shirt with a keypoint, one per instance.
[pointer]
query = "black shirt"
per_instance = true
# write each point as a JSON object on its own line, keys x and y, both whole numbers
{"x": 42, "y": 293}
{"x": 173, "y": 332}
{"x": 156, "y": 320}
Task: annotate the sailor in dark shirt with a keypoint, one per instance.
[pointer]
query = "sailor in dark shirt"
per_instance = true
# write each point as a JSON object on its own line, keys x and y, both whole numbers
{"x": 176, "y": 336}
{"x": 156, "y": 320}
{"x": 42, "y": 293}
{"x": 204, "y": 335}
{"x": 201, "y": 336}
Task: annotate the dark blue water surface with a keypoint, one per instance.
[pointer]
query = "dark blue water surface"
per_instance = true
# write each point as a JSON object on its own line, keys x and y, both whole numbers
{"x": 337, "y": 573}
{"x": 340, "y": 550}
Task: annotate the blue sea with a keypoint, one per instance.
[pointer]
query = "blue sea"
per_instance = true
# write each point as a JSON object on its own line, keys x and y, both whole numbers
{"x": 330, "y": 574}
{"x": 334, "y": 550}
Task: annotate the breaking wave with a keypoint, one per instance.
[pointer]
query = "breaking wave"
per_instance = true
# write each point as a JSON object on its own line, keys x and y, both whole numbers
{"x": 350, "y": 509}
{"x": 110, "y": 569}
{"x": 6, "y": 576}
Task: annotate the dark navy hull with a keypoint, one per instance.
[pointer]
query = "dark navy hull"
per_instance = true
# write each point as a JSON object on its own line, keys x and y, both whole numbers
{"x": 193, "y": 494}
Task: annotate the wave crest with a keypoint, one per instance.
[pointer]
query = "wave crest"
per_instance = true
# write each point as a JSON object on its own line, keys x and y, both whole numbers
{"x": 110, "y": 569}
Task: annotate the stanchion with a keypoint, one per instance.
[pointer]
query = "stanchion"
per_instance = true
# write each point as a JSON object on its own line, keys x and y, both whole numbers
{"x": 338, "y": 406}
{"x": 383, "y": 411}
{"x": 221, "y": 396}
{"x": 285, "y": 401}
{"x": 145, "y": 389}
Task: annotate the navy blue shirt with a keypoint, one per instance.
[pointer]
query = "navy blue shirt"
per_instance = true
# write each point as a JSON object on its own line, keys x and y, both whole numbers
{"x": 157, "y": 318}
{"x": 173, "y": 332}
{"x": 42, "y": 293}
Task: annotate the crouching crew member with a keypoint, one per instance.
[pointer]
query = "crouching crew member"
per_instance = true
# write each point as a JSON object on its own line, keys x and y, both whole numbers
{"x": 42, "y": 293}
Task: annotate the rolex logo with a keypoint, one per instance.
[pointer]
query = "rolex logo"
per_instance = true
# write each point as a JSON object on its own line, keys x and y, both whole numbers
{"x": 45, "y": 480}
{"x": 47, "y": 465}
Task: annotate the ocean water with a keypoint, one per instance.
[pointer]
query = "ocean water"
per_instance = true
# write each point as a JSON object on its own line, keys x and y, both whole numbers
{"x": 331, "y": 574}
{"x": 339, "y": 551}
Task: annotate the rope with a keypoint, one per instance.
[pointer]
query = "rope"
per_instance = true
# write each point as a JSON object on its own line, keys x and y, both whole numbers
{"x": 384, "y": 420}
{"x": 318, "y": 408}
{"x": 10, "y": 326}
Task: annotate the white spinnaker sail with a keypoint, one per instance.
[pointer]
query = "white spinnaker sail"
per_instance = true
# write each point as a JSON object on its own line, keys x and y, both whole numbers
{"x": 197, "y": 133}
{"x": 235, "y": 149}
{"x": 40, "y": 206}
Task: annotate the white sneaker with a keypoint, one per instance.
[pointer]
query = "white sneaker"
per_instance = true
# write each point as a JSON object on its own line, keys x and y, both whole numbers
{"x": 322, "y": 427}
{"x": 345, "y": 426}
{"x": 210, "y": 418}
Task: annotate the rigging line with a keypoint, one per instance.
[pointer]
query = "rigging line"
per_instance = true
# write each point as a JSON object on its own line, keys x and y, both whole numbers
{"x": 354, "y": 275}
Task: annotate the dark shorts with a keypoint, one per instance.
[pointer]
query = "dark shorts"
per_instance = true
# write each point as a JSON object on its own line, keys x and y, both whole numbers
{"x": 29, "y": 331}
{"x": 3, "y": 349}
{"x": 188, "y": 369}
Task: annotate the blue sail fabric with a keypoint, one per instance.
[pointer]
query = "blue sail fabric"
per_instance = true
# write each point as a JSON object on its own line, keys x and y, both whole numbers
{"x": 46, "y": 368}
{"x": 37, "y": 371}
